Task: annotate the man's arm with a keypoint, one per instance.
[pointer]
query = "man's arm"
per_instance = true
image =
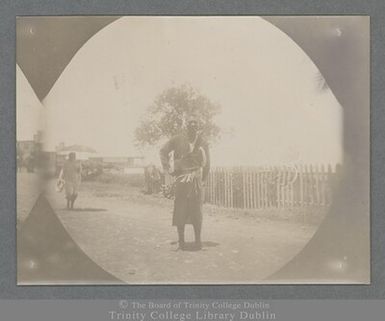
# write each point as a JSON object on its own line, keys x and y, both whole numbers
{"x": 61, "y": 174}
{"x": 165, "y": 154}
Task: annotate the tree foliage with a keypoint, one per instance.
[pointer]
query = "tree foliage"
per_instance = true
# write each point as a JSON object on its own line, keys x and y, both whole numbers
{"x": 165, "y": 118}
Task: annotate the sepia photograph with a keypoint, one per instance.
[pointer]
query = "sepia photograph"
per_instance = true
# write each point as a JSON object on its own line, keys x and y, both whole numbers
{"x": 191, "y": 150}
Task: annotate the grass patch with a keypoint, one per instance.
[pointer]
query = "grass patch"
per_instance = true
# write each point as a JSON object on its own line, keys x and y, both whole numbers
{"x": 134, "y": 180}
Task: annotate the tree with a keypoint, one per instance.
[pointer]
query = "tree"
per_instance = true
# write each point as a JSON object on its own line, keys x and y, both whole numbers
{"x": 165, "y": 118}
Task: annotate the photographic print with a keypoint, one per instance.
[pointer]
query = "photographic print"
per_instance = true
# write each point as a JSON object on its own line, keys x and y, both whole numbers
{"x": 191, "y": 150}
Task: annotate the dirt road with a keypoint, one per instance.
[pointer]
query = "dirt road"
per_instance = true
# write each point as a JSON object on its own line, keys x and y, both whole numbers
{"x": 130, "y": 235}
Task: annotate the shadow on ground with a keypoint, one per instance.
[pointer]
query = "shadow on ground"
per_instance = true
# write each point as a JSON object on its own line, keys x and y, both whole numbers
{"x": 191, "y": 246}
{"x": 88, "y": 209}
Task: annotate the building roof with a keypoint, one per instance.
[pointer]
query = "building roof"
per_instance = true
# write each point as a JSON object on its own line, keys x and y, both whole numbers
{"x": 77, "y": 148}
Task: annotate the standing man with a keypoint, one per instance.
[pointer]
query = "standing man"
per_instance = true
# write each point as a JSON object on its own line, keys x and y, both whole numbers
{"x": 71, "y": 173}
{"x": 191, "y": 168}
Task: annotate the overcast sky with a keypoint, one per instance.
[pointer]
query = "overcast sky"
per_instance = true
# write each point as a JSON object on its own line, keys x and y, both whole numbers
{"x": 266, "y": 85}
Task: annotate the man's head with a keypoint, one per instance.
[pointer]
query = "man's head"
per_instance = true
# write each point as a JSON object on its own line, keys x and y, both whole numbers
{"x": 192, "y": 124}
{"x": 72, "y": 156}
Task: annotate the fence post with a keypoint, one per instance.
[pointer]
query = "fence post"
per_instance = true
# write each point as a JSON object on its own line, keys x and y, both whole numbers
{"x": 301, "y": 188}
{"x": 250, "y": 187}
{"x": 251, "y": 192}
{"x": 243, "y": 188}
{"x": 268, "y": 186}
{"x": 296, "y": 186}
{"x": 312, "y": 184}
{"x": 223, "y": 187}
{"x": 231, "y": 190}
{"x": 318, "y": 181}
{"x": 215, "y": 178}
{"x": 251, "y": 174}
{"x": 247, "y": 187}
{"x": 323, "y": 184}
{"x": 265, "y": 186}
{"x": 258, "y": 198}
{"x": 291, "y": 186}
{"x": 278, "y": 186}
{"x": 283, "y": 186}
{"x": 220, "y": 187}
{"x": 262, "y": 186}
{"x": 306, "y": 186}
{"x": 275, "y": 186}
{"x": 255, "y": 182}
{"x": 331, "y": 181}
{"x": 227, "y": 173}
{"x": 211, "y": 187}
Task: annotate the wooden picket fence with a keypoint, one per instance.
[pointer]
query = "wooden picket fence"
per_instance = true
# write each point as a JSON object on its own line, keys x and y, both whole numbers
{"x": 270, "y": 187}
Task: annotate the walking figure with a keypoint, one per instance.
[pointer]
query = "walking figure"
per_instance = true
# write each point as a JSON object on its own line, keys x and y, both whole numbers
{"x": 71, "y": 175}
{"x": 191, "y": 168}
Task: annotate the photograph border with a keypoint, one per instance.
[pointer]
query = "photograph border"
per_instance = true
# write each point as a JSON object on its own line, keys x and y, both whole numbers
{"x": 9, "y": 290}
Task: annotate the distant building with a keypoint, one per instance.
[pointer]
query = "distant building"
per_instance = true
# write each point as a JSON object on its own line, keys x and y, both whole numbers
{"x": 29, "y": 152}
{"x": 26, "y": 147}
{"x": 29, "y": 148}
{"x": 126, "y": 164}
{"x": 131, "y": 161}
{"x": 82, "y": 152}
